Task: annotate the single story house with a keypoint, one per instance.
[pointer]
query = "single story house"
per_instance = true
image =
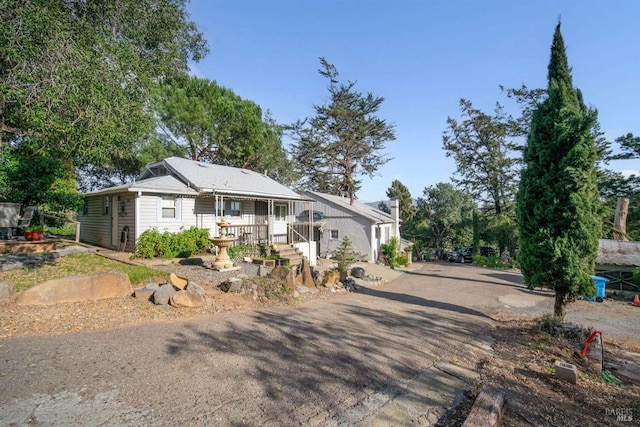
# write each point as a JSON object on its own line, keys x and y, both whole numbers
{"x": 334, "y": 218}
{"x": 616, "y": 261}
{"x": 177, "y": 193}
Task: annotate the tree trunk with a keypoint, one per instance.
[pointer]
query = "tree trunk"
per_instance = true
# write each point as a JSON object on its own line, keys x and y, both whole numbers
{"x": 560, "y": 306}
{"x": 620, "y": 222}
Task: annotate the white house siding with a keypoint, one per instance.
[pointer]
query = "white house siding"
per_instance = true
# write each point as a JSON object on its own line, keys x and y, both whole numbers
{"x": 127, "y": 217}
{"x": 150, "y": 217}
{"x": 95, "y": 227}
{"x": 205, "y": 215}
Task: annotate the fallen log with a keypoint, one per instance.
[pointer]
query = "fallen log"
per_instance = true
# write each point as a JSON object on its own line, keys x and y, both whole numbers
{"x": 487, "y": 410}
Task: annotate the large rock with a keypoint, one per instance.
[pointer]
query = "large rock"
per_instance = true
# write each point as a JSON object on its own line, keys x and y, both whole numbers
{"x": 7, "y": 289}
{"x": 306, "y": 278}
{"x": 231, "y": 285}
{"x": 145, "y": 294}
{"x": 178, "y": 282}
{"x": 191, "y": 297}
{"x": 164, "y": 294}
{"x": 331, "y": 278}
{"x": 286, "y": 274}
{"x": 95, "y": 286}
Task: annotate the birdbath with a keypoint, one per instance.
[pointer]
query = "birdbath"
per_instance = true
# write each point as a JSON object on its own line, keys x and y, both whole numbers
{"x": 222, "y": 242}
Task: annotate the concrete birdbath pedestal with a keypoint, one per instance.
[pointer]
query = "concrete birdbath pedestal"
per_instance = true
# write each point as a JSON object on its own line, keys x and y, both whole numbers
{"x": 222, "y": 242}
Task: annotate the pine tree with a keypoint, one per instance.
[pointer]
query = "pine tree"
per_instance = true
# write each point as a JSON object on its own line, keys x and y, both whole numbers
{"x": 557, "y": 203}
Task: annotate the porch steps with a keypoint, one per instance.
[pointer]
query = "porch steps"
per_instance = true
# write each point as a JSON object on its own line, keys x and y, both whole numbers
{"x": 290, "y": 252}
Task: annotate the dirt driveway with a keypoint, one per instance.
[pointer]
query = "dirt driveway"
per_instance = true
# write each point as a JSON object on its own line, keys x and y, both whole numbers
{"x": 342, "y": 361}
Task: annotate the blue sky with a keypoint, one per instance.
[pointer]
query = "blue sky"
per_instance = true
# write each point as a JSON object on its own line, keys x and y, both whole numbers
{"x": 422, "y": 57}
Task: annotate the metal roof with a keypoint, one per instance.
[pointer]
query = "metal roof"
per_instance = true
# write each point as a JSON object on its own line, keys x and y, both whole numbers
{"x": 372, "y": 214}
{"x": 617, "y": 252}
{"x": 176, "y": 175}
{"x": 207, "y": 177}
{"x": 158, "y": 184}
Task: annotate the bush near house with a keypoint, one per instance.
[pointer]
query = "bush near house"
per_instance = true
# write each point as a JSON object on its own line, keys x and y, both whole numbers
{"x": 183, "y": 244}
{"x": 391, "y": 251}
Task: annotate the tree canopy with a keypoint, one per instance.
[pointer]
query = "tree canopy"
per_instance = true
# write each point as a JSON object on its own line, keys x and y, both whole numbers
{"x": 407, "y": 208}
{"x": 485, "y": 157}
{"x": 557, "y": 203}
{"x": 447, "y": 214}
{"x": 77, "y": 76}
{"x": 343, "y": 140}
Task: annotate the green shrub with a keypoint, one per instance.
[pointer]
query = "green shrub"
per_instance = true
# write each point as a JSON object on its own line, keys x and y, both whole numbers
{"x": 391, "y": 250}
{"x": 183, "y": 244}
{"x": 344, "y": 255}
{"x": 636, "y": 276}
{"x": 490, "y": 261}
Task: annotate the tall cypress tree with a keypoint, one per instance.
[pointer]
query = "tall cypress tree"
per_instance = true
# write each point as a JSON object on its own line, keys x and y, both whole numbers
{"x": 557, "y": 201}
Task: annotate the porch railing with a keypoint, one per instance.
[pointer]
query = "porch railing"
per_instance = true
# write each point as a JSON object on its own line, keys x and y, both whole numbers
{"x": 256, "y": 234}
{"x": 252, "y": 234}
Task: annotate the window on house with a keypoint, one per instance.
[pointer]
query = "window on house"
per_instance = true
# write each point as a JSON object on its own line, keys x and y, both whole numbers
{"x": 334, "y": 235}
{"x": 377, "y": 232}
{"x": 280, "y": 212}
{"x": 85, "y": 207}
{"x": 386, "y": 234}
{"x": 105, "y": 205}
{"x": 232, "y": 208}
{"x": 168, "y": 206}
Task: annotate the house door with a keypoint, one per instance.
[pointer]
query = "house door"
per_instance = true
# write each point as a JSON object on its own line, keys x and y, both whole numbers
{"x": 114, "y": 221}
{"x": 262, "y": 218}
{"x": 317, "y": 236}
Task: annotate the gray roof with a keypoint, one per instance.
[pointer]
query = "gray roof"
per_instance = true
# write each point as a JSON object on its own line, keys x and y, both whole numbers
{"x": 617, "y": 252}
{"x": 176, "y": 175}
{"x": 372, "y": 214}
{"x": 158, "y": 184}
{"x": 207, "y": 177}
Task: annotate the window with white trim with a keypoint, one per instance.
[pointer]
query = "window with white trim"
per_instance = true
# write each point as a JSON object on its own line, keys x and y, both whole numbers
{"x": 168, "y": 206}
{"x": 232, "y": 208}
{"x": 105, "y": 205}
{"x": 280, "y": 212}
{"x": 334, "y": 235}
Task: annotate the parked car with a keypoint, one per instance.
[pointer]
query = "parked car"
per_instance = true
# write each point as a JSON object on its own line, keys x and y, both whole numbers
{"x": 465, "y": 254}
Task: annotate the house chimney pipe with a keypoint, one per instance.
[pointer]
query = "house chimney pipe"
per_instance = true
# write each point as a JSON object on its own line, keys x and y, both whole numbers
{"x": 395, "y": 214}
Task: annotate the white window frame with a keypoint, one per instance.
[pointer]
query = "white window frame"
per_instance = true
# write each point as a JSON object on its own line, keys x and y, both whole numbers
{"x": 163, "y": 204}
{"x": 334, "y": 234}
{"x": 228, "y": 211}
{"x": 106, "y": 203}
{"x": 280, "y": 212}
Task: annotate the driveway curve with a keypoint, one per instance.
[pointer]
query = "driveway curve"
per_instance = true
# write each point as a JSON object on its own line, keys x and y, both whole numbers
{"x": 325, "y": 362}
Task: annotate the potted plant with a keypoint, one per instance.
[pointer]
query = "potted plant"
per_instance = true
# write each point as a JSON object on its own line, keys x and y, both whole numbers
{"x": 34, "y": 233}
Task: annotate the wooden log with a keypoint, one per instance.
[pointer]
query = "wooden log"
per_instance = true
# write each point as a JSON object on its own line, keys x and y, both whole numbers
{"x": 487, "y": 410}
{"x": 620, "y": 221}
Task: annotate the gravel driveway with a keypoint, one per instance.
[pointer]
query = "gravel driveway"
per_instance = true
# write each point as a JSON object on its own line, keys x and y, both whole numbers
{"x": 304, "y": 365}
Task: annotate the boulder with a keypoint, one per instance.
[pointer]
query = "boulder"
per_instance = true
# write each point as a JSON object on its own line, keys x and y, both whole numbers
{"x": 190, "y": 298}
{"x": 306, "y": 277}
{"x": 163, "y": 294}
{"x": 286, "y": 274}
{"x": 231, "y": 285}
{"x": 84, "y": 287}
{"x": 153, "y": 286}
{"x": 144, "y": 294}
{"x": 7, "y": 289}
{"x": 262, "y": 271}
{"x": 178, "y": 282}
{"x": 357, "y": 272}
{"x": 280, "y": 272}
{"x": 331, "y": 278}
